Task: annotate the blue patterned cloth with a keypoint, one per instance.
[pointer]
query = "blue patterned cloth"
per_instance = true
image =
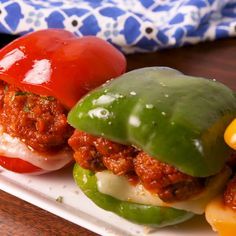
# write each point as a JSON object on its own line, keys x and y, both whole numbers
{"x": 131, "y": 25}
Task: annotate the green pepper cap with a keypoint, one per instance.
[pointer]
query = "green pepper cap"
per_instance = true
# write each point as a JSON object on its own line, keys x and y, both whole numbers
{"x": 175, "y": 118}
{"x": 137, "y": 213}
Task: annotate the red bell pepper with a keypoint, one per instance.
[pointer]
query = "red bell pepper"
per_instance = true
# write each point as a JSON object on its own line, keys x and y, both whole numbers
{"x": 56, "y": 63}
{"x": 18, "y": 165}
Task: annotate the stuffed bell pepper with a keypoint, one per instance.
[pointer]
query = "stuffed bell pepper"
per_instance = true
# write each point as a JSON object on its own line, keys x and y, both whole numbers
{"x": 42, "y": 75}
{"x": 221, "y": 212}
{"x": 149, "y": 145}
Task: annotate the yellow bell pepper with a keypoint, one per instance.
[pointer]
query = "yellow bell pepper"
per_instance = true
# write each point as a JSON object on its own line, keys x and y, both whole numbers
{"x": 230, "y": 134}
{"x": 221, "y": 218}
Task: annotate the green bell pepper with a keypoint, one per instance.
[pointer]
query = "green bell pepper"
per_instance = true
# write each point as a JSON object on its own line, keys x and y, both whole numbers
{"x": 175, "y": 118}
{"x": 138, "y": 213}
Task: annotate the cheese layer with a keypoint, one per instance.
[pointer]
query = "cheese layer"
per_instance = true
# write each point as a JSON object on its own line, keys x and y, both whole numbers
{"x": 14, "y": 148}
{"x": 120, "y": 188}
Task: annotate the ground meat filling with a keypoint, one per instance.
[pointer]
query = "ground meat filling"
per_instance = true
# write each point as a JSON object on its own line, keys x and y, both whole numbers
{"x": 169, "y": 183}
{"x": 97, "y": 154}
{"x": 230, "y": 194}
{"x": 39, "y": 121}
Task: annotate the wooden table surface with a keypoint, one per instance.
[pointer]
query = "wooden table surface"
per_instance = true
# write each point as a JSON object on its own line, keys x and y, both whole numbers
{"x": 215, "y": 60}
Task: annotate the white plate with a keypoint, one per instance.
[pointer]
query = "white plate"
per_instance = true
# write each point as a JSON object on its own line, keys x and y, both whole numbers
{"x": 43, "y": 191}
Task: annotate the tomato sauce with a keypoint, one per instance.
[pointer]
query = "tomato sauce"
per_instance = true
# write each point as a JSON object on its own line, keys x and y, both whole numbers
{"x": 39, "y": 121}
{"x": 97, "y": 154}
{"x": 230, "y": 194}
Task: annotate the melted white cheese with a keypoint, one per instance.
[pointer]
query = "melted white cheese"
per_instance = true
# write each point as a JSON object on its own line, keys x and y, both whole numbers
{"x": 14, "y": 148}
{"x": 120, "y": 188}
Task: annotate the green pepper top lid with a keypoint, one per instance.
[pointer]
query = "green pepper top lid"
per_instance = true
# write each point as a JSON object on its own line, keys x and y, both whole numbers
{"x": 175, "y": 118}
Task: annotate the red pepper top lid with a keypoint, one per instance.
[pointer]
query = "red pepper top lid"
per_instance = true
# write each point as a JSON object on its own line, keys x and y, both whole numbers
{"x": 56, "y": 63}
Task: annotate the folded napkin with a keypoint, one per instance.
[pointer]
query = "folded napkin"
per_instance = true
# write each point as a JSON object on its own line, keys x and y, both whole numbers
{"x": 131, "y": 25}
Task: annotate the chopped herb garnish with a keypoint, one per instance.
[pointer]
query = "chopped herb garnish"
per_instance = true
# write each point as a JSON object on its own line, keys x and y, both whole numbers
{"x": 21, "y": 93}
{"x": 59, "y": 199}
{"x": 49, "y": 98}
{"x": 26, "y": 108}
